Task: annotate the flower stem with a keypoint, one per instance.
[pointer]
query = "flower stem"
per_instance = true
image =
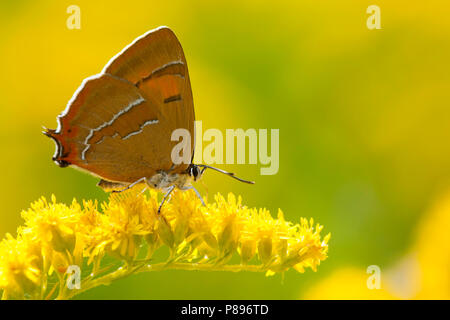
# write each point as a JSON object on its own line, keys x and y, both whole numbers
{"x": 126, "y": 271}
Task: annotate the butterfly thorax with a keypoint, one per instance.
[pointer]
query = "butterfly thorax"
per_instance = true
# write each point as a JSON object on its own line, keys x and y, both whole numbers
{"x": 163, "y": 180}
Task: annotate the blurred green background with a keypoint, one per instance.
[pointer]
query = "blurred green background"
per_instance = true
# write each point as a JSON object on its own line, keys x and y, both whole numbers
{"x": 363, "y": 115}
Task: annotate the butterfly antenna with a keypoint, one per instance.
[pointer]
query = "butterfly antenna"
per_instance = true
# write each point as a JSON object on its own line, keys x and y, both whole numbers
{"x": 230, "y": 174}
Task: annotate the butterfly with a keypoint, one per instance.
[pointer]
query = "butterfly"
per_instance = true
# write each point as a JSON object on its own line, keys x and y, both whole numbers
{"x": 118, "y": 124}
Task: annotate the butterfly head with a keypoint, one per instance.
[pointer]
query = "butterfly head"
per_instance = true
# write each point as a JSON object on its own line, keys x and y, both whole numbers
{"x": 195, "y": 172}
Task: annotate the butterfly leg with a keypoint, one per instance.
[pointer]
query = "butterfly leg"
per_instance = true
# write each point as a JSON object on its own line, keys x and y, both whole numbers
{"x": 131, "y": 185}
{"x": 196, "y": 192}
{"x": 167, "y": 195}
{"x": 143, "y": 190}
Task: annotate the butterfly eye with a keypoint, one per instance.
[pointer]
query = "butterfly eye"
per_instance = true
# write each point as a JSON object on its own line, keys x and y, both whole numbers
{"x": 194, "y": 172}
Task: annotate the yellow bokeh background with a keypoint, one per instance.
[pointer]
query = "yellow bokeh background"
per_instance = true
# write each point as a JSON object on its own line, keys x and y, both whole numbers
{"x": 363, "y": 115}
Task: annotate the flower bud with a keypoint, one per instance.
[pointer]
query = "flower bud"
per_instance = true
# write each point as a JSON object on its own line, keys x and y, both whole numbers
{"x": 248, "y": 249}
{"x": 265, "y": 250}
{"x": 165, "y": 232}
{"x": 63, "y": 239}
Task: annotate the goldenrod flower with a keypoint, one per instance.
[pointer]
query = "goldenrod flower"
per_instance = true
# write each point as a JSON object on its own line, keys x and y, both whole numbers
{"x": 19, "y": 268}
{"x": 129, "y": 229}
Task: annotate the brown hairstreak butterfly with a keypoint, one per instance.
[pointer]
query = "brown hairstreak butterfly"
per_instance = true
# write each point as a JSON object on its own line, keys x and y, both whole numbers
{"x": 118, "y": 124}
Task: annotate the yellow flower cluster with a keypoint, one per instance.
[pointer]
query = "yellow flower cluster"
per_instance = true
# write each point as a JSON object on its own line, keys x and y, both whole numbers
{"x": 129, "y": 229}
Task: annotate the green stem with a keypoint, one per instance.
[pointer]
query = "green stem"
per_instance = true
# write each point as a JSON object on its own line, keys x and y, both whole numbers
{"x": 126, "y": 271}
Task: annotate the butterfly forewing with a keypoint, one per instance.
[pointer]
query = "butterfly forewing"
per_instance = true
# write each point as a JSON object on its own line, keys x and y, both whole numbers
{"x": 119, "y": 124}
